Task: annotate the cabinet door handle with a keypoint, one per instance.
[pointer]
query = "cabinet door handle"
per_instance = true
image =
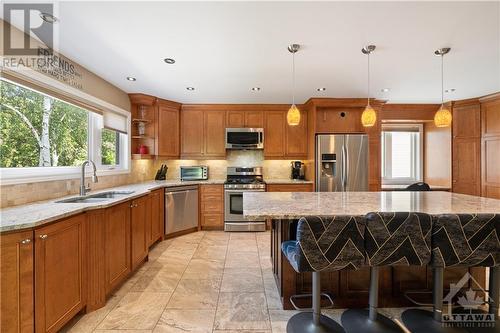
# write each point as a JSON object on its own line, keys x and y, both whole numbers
{"x": 43, "y": 236}
{"x": 26, "y": 241}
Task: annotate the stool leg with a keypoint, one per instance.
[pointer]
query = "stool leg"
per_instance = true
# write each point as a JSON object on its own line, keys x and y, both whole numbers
{"x": 494, "y": 287}
{"x": 373, "y": 294}
{"x": 437, "y": 293}
{"x": 316, "y": 297}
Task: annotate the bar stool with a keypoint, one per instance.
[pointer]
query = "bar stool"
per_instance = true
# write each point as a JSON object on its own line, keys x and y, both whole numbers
{"x": 323, "y": 244}
{"x": 462, "y": 240}
{"x": 391, "y": 239}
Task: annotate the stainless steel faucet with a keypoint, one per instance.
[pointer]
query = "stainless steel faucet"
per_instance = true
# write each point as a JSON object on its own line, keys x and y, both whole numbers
{"x": 83, "y": 188}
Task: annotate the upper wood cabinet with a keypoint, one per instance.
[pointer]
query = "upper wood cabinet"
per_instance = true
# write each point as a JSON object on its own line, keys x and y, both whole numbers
{"x": 60, "y": 272}
{"x": 282, "y": 140}
{"x": 167, "y": 129}
{"x": 16, "y": 282}
{"x": 202, "y": 133}
{"x": 250, "y": 119}
{"x": 490, "y": 146}
{"x": 339, "y": 120}
{"x": 466, "y": 147}
{"x": 139, "y": 243}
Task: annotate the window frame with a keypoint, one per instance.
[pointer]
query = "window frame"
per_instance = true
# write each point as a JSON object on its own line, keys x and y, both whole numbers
{"x": 417, "y": 166}
{"x": 12, "y": 176}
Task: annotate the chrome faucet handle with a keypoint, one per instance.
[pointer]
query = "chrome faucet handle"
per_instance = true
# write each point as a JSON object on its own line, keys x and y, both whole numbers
{"x": 95, "y": 179}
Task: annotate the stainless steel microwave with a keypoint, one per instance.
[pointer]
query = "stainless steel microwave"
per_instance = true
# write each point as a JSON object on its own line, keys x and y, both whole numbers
{"x": 244, "y": 138}
{"x": 194, "y": 173}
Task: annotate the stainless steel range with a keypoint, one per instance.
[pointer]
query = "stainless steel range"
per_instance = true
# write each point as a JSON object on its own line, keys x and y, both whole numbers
{"x": 240, "y": 180}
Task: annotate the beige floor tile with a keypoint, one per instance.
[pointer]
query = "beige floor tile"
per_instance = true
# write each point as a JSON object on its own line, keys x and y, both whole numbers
{"x": 123, "y": 331}
{"x": 214, "y": 242}
{"x": 273, "y": 299}
{"x": 242, "y": 280}
{"x": 242, "y": 311}
{"x": 158, "y": 280}
{"x": 242, "y": 260}
{"x": 136, "y": 310}
{"x": 279, "y": 319}
{"x": 242, "y": 235}
{"x": 242, "y": 246}
{"x": 195, "y": 294}
{"x": 180, "y": 321}
{"x": 211, "y": 252}
{"x": 204, "y": 269}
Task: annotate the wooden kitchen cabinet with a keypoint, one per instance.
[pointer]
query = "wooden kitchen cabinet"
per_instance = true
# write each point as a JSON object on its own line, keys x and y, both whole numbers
{"x": 60, "y": 272}
{"x": 167, "y": 129}
{"x": 282, "y": 140}
{"x": 212, "y": 207}
{"x": 156, "y": 213}
{"x": 202, "y": 133}
{"x": 16, "y": 282}
{"x": 339, "y": 120}
{"x": 117, "y": 245}
{"x": 139, "y": 243}
{"x": 249, "y": 119}
{"x": 307, "y": 187}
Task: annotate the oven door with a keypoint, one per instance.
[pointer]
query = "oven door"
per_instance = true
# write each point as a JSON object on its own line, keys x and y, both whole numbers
{"x": 233, "y": 205}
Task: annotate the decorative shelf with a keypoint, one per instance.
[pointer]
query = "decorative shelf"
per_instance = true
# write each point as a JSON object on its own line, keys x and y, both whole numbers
{"x": 142, "y": 137}
{"x": 137, "y": 120}
{"x": 142, "y": 156}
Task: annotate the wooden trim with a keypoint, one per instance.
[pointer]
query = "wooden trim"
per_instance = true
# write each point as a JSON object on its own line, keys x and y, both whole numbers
{"x": 465, "y": 102}
{"x": 344, "y": 102}
{"x": 490, "y": 97}
{"x": 142, "y": 99}
{"x": 180, "y": 233}
{"x": 408, "y": 112}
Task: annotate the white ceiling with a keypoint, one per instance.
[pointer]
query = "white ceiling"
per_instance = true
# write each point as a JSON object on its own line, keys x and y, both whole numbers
{"x": 223, "y": 49}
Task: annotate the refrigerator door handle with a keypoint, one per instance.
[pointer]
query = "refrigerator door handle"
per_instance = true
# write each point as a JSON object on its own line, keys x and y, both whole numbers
{"x": 346, "y": 159}
{"x": 344, "y": 168}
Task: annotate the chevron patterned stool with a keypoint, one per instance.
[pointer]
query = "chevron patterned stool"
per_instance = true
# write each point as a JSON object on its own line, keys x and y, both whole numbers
{"x": 391, "y": 239}
{"x": 322, "y": 245}
{"x": 463, "y": 240}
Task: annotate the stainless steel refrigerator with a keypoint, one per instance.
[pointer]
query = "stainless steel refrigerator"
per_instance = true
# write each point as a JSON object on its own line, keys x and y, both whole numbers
{"x": 341, "y": 162}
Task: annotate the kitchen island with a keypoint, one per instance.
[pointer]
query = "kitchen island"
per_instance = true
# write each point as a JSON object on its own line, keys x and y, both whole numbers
{"x": 350, "y": 288}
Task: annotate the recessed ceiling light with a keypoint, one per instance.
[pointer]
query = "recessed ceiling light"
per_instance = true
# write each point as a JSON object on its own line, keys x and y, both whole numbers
{"x": 255, "y": 89}
{"x": 450, "y": 90}
{"x": 169, "y": 61}
{"x": 49, "y": 18}
{"x": 321, "y": 89}
{"x": 385, "y": 89}
{"x": 130, "y": 78}
{"x": 190, "y": 88}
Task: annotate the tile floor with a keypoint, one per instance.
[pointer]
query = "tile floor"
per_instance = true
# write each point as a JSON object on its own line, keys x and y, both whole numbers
{"x": 204, "y": 282}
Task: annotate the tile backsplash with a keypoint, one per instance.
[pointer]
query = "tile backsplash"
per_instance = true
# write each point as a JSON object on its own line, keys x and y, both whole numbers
{"x": 141, "y": 170}
{"x": 217, "y": 168}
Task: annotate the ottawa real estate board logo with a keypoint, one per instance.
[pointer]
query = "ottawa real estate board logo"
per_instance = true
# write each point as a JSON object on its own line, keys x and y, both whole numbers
{"x": 464, "y": 309}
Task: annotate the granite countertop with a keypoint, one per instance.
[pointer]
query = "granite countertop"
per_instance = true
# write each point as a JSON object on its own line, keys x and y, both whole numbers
{"x": 42, "y": 212}
{"x": 286, "y": 181}
{"x": 290, "y": 205}
{"x": 388, "y": 187}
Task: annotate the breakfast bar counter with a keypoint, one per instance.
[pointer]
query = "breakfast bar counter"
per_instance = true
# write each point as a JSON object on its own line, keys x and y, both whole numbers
{"x": 350, "y": 287}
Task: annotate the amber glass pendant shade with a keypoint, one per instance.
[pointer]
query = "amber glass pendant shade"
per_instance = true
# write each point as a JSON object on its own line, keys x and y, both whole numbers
{"x": 442, "y": 118}
{"x": 293, "y": 116}
{"x": 368, "y": 117}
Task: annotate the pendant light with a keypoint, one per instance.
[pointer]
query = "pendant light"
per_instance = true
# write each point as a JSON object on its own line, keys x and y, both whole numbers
{"x": 293, "y": 114}
{"x": 442, "y": 118}
{"x": 369, "y": 116}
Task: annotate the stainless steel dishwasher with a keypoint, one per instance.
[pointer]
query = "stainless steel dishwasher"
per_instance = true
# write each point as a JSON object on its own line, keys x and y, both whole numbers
{"x": 181, "y": 208}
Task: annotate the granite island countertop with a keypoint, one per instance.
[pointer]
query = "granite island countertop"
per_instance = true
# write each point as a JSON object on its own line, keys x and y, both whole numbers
{"x": 291, "y": 205}
{"x": 39, "y": 213}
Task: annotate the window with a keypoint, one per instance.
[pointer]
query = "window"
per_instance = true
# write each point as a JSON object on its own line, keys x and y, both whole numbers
{"x": 42, "y": 136}
{"x": 401, "y": 153}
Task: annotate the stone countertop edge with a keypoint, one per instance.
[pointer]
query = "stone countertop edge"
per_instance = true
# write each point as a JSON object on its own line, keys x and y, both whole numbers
{"x": 286, "y": 181}
{"x": 36, "y": 214}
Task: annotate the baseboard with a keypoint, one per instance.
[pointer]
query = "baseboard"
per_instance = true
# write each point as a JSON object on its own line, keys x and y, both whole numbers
{"x": 182, "y": 232}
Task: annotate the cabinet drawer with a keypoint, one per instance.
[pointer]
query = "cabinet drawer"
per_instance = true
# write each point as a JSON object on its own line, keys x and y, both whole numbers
{"x": 212, "y": 205}
{"x": 212, "y": 220}
{"x": 211, "y": 189}
{"x": 290, "y": 188}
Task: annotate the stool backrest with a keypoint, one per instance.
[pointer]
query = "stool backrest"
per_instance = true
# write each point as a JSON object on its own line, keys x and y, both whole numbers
{"x": 330, "y": 243}
{"x": 420, "y": 186}
{"x": 396, "y": 239}
{"x": 466, "y": 240}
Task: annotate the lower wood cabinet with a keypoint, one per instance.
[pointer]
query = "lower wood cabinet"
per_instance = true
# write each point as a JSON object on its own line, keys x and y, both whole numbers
{"x": 60, "y": 272}
{"x": 307, "y": 187}
{"x": 156, "y": 214}
{"x": 212, "y": 207}
{"x": 116, "y": 245}
{"x": 139, "y": 243}
{"x": 16, "y": 282}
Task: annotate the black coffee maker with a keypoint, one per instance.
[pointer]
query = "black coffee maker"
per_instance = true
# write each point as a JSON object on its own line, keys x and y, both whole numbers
{"x": 298, "y": 170}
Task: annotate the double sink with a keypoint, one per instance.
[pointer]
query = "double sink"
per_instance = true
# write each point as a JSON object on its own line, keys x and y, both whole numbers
{"x": 99, "y": 197}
